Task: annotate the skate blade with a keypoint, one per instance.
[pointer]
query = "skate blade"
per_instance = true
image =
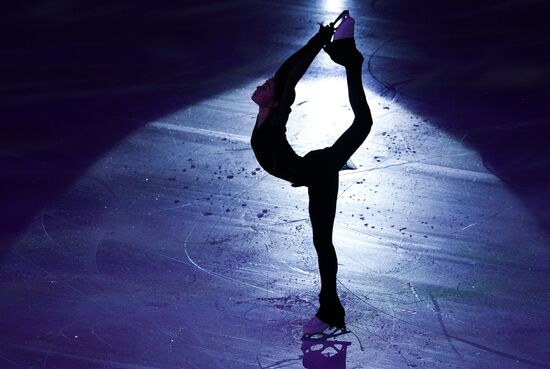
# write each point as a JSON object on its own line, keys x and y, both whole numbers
{"x": 340, "y": 18}
{"x": 330, "y": 332}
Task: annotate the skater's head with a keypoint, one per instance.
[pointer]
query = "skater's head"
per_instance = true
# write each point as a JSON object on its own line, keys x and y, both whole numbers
{"x": 269, "y": 94}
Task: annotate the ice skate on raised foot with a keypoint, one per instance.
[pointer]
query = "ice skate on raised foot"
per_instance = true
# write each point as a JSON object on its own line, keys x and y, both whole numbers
{"x": 341, "y": 17}
{"x": 342, "y": 49}
{"x": 346, "y": 28}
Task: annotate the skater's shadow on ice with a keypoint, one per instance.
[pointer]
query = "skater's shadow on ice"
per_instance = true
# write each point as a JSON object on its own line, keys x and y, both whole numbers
{"x": 324, "y": 353}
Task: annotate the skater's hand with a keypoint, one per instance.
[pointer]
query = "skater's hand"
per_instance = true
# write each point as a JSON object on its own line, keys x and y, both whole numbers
{"x": 326, "y": 32}
{"x": 344, "y": 52}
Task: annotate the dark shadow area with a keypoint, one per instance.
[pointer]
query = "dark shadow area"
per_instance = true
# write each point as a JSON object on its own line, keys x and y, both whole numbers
{"x": 78, "y": 77}
{"x": 480, "y": 71}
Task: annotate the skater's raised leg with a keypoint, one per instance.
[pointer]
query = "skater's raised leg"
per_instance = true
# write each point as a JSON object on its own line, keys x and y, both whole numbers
{"x": 344, "y": 52}
{"x": 358, "y": 131}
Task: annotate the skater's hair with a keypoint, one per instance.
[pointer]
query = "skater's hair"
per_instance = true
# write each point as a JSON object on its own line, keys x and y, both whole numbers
{"x": 279, "y": 87}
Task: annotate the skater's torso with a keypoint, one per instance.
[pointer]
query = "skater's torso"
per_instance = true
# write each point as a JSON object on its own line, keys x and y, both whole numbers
{"x": 272, "y": 149}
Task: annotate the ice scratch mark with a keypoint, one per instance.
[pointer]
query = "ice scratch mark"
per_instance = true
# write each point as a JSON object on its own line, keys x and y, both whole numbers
{"x": 64, "y": 220}
{"x": 171, "y": 208}
{"x": 358, "y": 341}
{"x": 393, "y": 320}
{"x": 452, "y": 172}
{"x": 103, "y": 183}
{"x": 9, "y": 361}
{"x": 408, "y": 271}
{"x": 172, "y": 136}
{"x": 305, "y": 272}
{"x": 468, "y": 226}
{"x": 96, "y": 259}
{"x": 370, "y": 170}
{"x": 465, "y": 341}
{"x": 500, "y": 353}
{"x": 388, "y": 86}
{"x": 279, "y": 364}
{"x": 389, "y": 165}
{"x": 57, "y": 335}
{"x": 98, "y": 363}
{"x": 100, "y": 339}
{"x": 442, "y": 324}
{"x": 214, "y": 274}
{"x": 46, "y": 231}
{"x": 51, "y": 276}
{"x": 416, "y": 298}
{"x": 202, "y": 131}
{"x": 280, "y": 260}
{"x": 291, "y": 221}
{"x": 398, "y": 351}
{"x": 485, "y": 219}
{"x": 287, "y": 302}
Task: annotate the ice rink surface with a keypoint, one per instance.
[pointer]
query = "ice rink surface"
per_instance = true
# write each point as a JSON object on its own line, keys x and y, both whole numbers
{"x": 138, "y": 230}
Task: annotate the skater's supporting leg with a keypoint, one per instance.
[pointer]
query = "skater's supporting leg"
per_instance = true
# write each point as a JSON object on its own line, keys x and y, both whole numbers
{"x": 322, "y": 210}
{"x": 322, "y": 168}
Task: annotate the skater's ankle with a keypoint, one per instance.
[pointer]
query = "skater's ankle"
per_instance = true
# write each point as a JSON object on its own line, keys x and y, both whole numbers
{"x": 333, "y": 321}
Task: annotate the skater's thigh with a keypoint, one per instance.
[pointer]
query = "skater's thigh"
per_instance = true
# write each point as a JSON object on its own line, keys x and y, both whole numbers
{"x": 323, "y": 193}
{"x": 347, "y": 143}
{"x": 320, "y": 164}
{"x": 332, "y": 159}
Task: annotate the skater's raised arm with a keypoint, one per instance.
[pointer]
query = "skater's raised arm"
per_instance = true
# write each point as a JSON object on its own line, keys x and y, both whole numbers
{"x": 293, "y": 69}
{"x": 277, "y": 94}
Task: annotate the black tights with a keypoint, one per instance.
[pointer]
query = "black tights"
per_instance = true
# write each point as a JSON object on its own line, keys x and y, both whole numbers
{"x": 322, "y": 167}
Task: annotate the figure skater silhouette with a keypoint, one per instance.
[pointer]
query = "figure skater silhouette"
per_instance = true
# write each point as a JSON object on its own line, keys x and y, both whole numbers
{"x": 318, "y": 169}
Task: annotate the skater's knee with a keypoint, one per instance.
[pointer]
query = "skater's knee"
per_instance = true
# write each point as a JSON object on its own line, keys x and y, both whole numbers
{"x": 364, "y": 117}
{"x": 362, "y": 125}
{"x": 319, "y": 242}
{"x": 323, "y": 245}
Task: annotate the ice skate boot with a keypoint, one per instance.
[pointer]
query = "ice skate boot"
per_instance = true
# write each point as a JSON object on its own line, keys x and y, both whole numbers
{"x": 342, "y": 49}
{"x": 346, "y": 28}
{"x": 341, "y": 17}
{"x": 314, "y": 326}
